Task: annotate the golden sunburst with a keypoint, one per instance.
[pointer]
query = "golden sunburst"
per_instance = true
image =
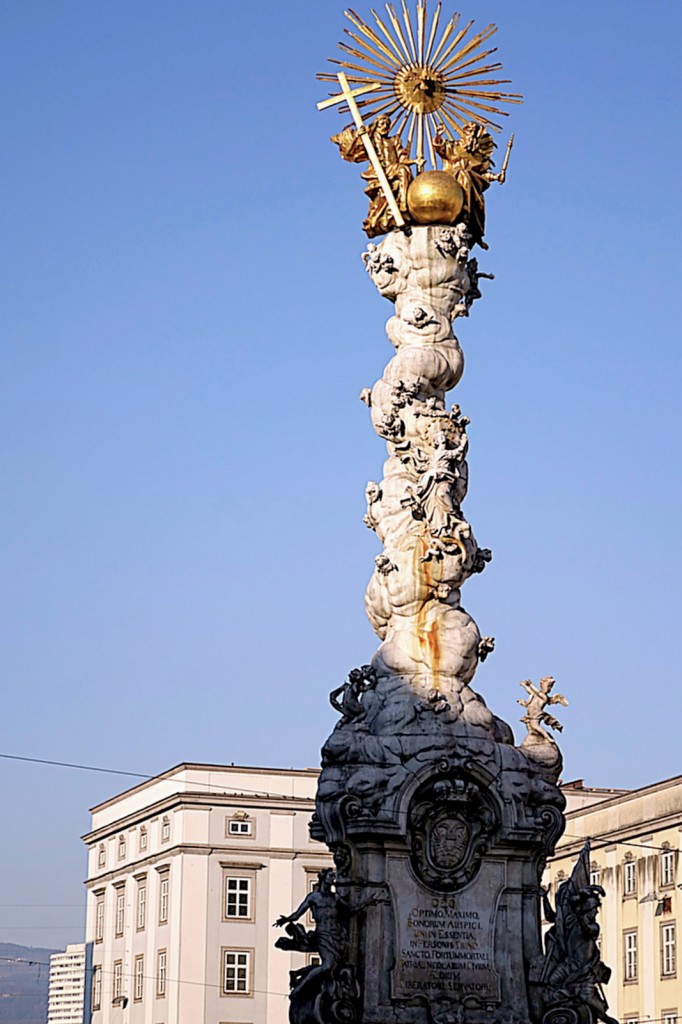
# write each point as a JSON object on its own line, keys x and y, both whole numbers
{"x": 426, "y": 76}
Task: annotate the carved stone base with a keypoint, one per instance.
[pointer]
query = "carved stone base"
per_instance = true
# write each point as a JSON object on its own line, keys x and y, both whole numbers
{"x": 440, "y": 868}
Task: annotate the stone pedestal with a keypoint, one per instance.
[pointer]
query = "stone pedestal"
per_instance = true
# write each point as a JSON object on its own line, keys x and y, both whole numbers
{"x": 440, "y": 867}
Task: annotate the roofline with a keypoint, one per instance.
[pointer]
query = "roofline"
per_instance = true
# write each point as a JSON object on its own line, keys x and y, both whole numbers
{"x": 620, "y": 795}
{"x": 192, "y": 798}
{"x": 625, "y": 796}
{"x": 196, "y": 766}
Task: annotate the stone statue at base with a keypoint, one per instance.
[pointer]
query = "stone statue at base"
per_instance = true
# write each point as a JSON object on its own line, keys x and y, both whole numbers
{"x": 567, "y": 982}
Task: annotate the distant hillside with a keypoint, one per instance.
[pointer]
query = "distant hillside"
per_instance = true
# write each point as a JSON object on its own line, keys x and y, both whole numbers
{"x": 23, "y": 988}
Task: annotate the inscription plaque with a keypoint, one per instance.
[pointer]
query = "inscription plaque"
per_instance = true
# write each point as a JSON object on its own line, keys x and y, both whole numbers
{"x": 445, "y": 944}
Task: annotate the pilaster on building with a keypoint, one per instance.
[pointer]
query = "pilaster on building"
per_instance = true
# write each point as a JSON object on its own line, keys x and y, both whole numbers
{"x": 187, "y": 873}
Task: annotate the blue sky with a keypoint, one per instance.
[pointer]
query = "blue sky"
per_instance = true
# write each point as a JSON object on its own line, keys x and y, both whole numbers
{"x": 186, "y": 327}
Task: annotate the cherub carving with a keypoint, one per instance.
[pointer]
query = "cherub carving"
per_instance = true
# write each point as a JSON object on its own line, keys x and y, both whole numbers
{"x": 403, "y": 394}
{"x": 482, "y": 557}
{"x": 455, "y": 542}
{"x": 373, "y": 496}
{"x": 461, "y": 422}
{"x": 412, "y": 501}
{"x": 377, "y": 262}
{"x": 455, "y": 242}
{"x": 350, "y": 705}
{"x": 486, "y": 646}
{"x": 536, "y": 716}
{"x": 435, "y": 701}
{"x": 432, "y": 408}
{"x": 420, "y": 318}
{"x": 473, "y": 292}
{"x": 391, "y": 427}
{"x": 384, "y": 565}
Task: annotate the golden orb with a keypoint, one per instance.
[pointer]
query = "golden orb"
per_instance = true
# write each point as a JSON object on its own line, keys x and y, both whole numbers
{"x": 434, "y": 197}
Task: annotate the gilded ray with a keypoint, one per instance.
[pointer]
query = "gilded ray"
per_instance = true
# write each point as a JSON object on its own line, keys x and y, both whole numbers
{"x": 427, "y": 71}
{"x": 373, "y": 76}
{"x": 441, "y": 57}
{"x": 444, "y": 64}
{"x": 421, "y": 25}
{"x": 376, "y": 62}
{"x": 447, "y": 32}
{"x": 384, "y": 60}
{"x": 394, "y": 58}
{"x": 472, "y": 60}
{"x": 434, "y": 29}
{"x": 394, "y": 45}
{"x": 410, "y": 33}
{"x": 398, "y": 31}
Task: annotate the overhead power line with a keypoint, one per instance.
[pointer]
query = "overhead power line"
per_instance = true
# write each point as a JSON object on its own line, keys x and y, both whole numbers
{"x": 264, "y": 793}
{"x": 142, "y": 775}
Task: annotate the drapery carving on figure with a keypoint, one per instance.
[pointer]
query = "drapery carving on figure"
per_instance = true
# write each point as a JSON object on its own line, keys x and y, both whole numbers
{"x": 469, "y": 160}
{"x": 395, "y": 160}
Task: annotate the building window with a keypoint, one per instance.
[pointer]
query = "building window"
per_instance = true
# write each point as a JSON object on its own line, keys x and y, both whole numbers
{"x": 121, "y": 847}
{"x": 312, "y": 878}
{"x": 238, "y": 898}
{"x": 161, "y": 972}
{"x": 236, "y": 972}
{"x": 668, "y": 951}
{"x": 239, "y": 826}
{"x": 99, "y": 919}
{"x": 165, "y": 829}
{"x": 670, "y": 1017}
{"x": 118, "y": 979}
{"x": 668, "y": 867}
{"x": 97, "y": 987}
{"x": 120, "y": 911}
{"x": 164, "y": 889}
{"x": 139, "y": 978}
{"x": 630, "y": 951}
{"x": 595, "y": 874}
{"x": 102, "y": 856}
{"x": 629, "y": 878}
{"x": 144, "y": 839}
{"x": 141, "y": 906}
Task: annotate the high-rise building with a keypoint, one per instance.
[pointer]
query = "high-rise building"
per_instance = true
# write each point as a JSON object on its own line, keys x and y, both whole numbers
{"x": 66, "y": 994}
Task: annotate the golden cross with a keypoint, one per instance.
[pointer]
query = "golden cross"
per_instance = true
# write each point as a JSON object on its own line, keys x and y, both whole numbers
{"x": 348, "y": 95}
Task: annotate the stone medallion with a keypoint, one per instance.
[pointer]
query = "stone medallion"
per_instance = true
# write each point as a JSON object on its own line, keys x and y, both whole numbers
{"x": 450, "y": 825}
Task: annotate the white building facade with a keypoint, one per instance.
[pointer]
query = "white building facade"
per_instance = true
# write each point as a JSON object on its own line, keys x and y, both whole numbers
{"x": 635, "y": 839}
{"x": 66, "y": 994}
{"x": 186, "y": 874}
